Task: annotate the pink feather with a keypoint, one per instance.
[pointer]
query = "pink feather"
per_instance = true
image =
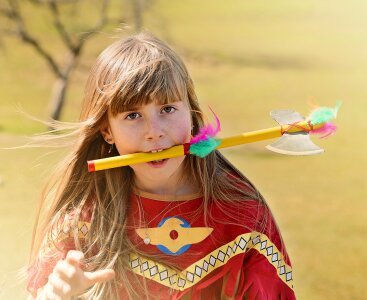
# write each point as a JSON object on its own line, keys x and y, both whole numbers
{"x": 206, "y": 132}
{"x": 326, "y": 130}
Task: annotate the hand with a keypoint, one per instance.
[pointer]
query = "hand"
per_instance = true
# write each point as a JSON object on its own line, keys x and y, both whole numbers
{"x": 68, "y": 279}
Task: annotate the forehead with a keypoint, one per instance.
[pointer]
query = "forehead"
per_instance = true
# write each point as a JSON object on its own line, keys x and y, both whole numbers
{"x": 161, "y": 80}
{"x": 140, "y": 103}
{"x": 149, "y": 92}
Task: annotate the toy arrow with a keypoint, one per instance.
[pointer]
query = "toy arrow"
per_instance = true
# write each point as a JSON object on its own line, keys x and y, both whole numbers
{"x": 294, "y": 132}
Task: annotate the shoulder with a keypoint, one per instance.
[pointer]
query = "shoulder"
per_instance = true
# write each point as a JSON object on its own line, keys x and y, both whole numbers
{"x": 241, "y": 201}
{"x": 247, "y": 210}
{"x": 244, "y": 197}
{"x": 266, "y": 268}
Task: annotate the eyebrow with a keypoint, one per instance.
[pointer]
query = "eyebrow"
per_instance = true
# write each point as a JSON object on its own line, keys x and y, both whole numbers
{"x": 137, "y": 107}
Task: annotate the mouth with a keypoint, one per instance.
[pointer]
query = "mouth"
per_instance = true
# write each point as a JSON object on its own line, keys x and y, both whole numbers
{"x": 158, "y": 162}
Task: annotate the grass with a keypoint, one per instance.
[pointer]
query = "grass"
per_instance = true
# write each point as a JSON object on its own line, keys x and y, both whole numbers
{"x": 246, "y": 58}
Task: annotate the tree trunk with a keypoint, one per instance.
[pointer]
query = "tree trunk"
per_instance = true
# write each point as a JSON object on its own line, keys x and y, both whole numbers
{"x": 61, "y": 85}
{"x": 58, "y": 97}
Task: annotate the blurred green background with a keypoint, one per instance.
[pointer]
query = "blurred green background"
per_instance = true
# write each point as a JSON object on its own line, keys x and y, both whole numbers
{"x": 246, "y": 58}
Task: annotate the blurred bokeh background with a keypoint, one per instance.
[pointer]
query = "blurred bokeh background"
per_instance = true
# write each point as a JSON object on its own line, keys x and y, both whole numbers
{"x": 246, "y": 58}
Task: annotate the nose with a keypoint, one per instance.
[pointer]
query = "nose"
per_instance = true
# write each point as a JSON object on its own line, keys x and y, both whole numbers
{"x": 154, "y": 129}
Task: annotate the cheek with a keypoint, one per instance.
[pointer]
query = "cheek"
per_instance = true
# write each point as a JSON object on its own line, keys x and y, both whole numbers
{"x": 126, "y": 141}
{"x": 183, "y": 132}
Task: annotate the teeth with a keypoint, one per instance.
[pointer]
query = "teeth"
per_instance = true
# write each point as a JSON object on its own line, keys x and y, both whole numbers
{"x": 155, "y": 151}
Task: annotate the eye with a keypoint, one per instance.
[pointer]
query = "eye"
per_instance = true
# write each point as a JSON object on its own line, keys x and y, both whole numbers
{"x": 132, "y": 116}
{"x": 168, "y": 109}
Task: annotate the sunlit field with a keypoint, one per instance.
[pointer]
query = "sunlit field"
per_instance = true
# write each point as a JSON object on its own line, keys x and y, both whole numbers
{"x": 246, "y": 58}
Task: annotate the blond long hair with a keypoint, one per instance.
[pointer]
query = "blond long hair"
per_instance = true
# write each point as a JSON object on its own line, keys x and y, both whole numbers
{"x": 132, "y": 71}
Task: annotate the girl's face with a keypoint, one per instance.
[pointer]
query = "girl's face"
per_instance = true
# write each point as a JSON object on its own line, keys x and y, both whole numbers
{"x": 149, "y": 128}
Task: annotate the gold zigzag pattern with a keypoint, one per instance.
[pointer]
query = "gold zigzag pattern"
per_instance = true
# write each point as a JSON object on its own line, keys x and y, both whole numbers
{"x": 181, "y": 280}
{"x": 197, "y": 271}
{"x": 63, "y": 233}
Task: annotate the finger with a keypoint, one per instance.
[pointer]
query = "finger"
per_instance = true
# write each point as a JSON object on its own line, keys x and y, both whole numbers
{"x": 64, "y": 270}
{"x": 100, "y": 276}
{"x": 59, "y": 286}
{"x": 74, "y": 257}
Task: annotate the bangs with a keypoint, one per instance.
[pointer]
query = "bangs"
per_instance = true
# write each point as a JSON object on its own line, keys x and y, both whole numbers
{"x": 158, "y": 81}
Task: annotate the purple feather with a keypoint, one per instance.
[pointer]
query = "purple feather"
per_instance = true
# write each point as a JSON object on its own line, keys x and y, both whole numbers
{"x": 328, "y": 129}
{"x": 206, "y": 132}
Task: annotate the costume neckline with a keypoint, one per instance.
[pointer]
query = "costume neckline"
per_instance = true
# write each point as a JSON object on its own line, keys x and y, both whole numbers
{"x": 167, "y": 197}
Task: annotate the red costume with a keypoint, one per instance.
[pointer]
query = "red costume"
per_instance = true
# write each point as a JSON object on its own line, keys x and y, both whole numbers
{"x": 238, "y": 252}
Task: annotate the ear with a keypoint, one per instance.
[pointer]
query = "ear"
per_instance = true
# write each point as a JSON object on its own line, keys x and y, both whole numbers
{"x": 107, "y": 134}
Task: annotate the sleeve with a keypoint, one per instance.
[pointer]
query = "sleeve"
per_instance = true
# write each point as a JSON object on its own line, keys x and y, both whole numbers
{"x": 54, "y": 248}
{"x": 44, "y": 264}
{"x": 266, "y": 271}
{"x": 263, "y": 270}
{"x": 258, "y": 279}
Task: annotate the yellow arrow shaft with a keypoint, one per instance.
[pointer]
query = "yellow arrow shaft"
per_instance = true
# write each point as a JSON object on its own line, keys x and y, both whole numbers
{"x": 265, "y": 134}
{"x": 245, "y": 138}
{"x": 250, "y": 137}
{"x": 135, "y": 158}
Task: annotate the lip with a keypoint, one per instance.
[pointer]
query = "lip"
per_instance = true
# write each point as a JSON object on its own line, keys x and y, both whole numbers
{"x": 158, "y": 165}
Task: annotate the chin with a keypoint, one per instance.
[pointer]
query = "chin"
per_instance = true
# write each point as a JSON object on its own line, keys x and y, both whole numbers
{"x": 172, "y": 168}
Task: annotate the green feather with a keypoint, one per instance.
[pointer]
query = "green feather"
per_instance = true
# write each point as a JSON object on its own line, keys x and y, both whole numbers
{"x": 324, "y": 114}
{"x": 203, "y": 148}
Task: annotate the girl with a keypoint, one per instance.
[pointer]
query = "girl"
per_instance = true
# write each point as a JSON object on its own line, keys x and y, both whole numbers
{"x": 179, "y": 228}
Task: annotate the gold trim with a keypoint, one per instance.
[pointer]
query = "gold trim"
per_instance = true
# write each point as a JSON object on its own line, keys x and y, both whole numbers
{"x": 181, "y": 280}
{"x": 65, "y": 232}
